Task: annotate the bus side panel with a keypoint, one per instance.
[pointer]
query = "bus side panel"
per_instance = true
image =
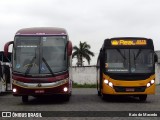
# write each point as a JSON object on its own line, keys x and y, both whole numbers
{"x": 70, "y": 75}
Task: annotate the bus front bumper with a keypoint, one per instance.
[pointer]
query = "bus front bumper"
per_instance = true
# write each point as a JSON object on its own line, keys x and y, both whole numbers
{"x": 38, "y": 91}
{"x": 125, "y": 90}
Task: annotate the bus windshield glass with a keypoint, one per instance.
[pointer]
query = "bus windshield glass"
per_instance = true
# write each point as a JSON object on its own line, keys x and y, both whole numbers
{"x": 129, "y": 60}
{"x": 39, "y": 55}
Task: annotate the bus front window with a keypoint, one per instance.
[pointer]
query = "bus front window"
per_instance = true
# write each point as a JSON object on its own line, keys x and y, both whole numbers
{"x": 26, "y": 55}
{"x": 129, "y": 60}
{"x": 40, "y": 55}
{"x": 54, "y": 52}
{"x": 141, "y": 60}
{"x": 117, "y": 60}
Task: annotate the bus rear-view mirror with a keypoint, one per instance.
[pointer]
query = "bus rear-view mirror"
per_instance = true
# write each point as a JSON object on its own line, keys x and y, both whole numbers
{"x": 6, "y": 47}
{"x": 69, "y": 48}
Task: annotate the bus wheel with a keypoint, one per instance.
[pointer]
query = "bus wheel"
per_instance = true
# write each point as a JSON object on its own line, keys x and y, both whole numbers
{"x": 142, "y": 98}
{"x": 24, "y": 98}
{"x": 99, "y": 93}
{"x": 104, "y": 96}
{"x": 70, "y": 94}
{"x": 66, "y": 97}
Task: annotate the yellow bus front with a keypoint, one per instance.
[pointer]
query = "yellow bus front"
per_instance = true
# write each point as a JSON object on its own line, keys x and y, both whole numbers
{"x": 128, "y": 87}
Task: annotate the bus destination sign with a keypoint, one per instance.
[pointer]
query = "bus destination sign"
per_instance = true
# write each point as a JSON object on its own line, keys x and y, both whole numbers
{"x": 128, "y": 42}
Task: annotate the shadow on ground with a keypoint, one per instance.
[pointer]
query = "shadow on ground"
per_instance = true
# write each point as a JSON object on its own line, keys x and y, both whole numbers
{"x": 46, "y": 100}
{"x": 123, "y": 99}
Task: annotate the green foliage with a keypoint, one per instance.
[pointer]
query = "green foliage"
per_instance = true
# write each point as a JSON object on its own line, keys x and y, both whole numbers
{"x": 82, "y": 52}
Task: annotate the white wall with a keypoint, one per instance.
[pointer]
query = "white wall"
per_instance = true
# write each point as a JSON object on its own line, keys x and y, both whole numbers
{"x": 83, "y": 75}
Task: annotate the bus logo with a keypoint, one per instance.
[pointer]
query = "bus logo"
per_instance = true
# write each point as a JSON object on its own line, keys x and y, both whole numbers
{"x": 128, "y": 42}
{"x": 114, "y": 42}
{"x": 39, "y": 85}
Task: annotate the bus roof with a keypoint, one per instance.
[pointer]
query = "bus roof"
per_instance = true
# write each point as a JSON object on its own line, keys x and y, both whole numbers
{"x": 129, "y": 38}
{"x": 42, "y": 31}
{"x": 128, "y": 42}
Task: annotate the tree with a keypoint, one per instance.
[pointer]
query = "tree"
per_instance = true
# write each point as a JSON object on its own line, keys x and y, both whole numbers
{"x": 82, "y": 52}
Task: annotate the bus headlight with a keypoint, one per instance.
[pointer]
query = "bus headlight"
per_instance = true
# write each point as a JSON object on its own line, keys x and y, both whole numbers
{"x": 106, "y": 81}
{"x": 65, "y": 89}
{"x": 148, "y": 84}
{"x": 14, "y": 90}
{"x": 110, "y": 84}
{"x": 152, "y": 81}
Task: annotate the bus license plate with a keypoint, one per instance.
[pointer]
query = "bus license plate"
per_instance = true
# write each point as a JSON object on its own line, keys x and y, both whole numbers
{"x": 39, "y": 91}
{"x": 129, "y": 89}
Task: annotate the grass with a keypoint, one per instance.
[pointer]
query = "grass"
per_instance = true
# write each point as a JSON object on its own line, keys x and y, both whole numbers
{"x": 85, "y": 85}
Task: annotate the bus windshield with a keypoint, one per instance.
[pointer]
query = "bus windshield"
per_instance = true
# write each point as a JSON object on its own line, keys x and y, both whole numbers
{"x": 39, "y": 55}
{"x": 129, "y": 60}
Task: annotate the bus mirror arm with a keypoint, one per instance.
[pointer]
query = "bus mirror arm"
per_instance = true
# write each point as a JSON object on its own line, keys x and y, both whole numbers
{"x": 69, "y": 48}
{"x": 6, "y": 47}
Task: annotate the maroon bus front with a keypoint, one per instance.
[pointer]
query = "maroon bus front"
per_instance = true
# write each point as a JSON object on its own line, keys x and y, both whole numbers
{"x": 41, "y": 62}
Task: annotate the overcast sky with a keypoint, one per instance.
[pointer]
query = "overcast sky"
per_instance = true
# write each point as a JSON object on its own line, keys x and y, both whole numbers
{"x": 85, "y": 20}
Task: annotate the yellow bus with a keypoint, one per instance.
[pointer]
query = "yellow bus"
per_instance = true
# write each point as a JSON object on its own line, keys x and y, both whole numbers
{"x": 126, "y": 66}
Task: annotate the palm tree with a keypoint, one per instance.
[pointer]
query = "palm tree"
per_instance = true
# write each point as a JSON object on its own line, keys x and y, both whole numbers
{"x": 82, "y": 52}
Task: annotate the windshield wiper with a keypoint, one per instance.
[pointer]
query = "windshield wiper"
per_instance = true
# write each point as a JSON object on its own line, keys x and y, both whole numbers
{"x": 136, "y": 56}
{"x": 121, "y": 54}
{"x": 134, "y": 59}
{"x": 49, "y": 68}
{"x": 30, "y": 65}
{"x": 138, "y": 53}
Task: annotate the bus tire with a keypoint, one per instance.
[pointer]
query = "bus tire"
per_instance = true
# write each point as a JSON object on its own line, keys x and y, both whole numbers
{"x": 142, "y": 98}
{"x": 66, "y": 97}
{"x": 25, "y": 99}
{"x": 70, "y": 94}
{"x": 99, "y": 93}
{"x": 107, "y": 97}
{"x": 104, "y": 96}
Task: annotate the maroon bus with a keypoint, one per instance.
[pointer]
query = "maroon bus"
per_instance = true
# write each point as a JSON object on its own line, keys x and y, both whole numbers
{"x": 41, "y": 62}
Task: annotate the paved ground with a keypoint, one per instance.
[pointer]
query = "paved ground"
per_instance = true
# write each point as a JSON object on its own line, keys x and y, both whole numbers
{"x": 83, "y": 99}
